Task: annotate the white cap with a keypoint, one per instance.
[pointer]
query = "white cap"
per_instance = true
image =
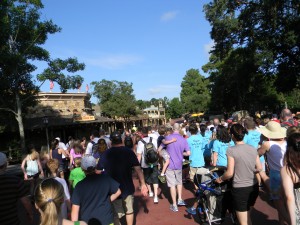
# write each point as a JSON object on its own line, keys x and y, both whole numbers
{"x": 3, "y": 159}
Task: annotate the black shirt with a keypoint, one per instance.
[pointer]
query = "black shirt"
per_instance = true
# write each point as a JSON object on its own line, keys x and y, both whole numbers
{"x": 118, "y": 163}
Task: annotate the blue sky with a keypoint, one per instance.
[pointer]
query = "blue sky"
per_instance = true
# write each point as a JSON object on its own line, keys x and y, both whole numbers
{"x": 148, "y": 43}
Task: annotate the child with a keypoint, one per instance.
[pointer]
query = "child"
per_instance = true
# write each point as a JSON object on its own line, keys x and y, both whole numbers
{"x": 53, "y": 166}
{"x": 76, "y": 174}
{"x": 163, "y": 132}
{"x": 49, "y": 197}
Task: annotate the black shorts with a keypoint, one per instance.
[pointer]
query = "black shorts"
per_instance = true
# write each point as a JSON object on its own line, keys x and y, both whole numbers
{"x": 244, "y": 197}
{"x": 151, "y": 175}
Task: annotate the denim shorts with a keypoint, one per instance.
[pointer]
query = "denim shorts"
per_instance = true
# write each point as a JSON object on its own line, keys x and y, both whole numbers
{"x": 275, "y": 185}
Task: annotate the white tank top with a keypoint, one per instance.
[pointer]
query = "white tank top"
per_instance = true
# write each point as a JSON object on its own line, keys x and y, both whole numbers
{"x": 275, "y": 155}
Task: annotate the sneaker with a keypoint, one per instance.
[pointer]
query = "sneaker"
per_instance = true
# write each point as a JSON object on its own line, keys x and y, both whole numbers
{"x": 155, "y": 200}
{"x": 180, "y": 202}
{"x": 173, "y": 208}
{"x": 151, "y": 194}
{"x": 162, "y": 178}
{"x": 191, "y": 211}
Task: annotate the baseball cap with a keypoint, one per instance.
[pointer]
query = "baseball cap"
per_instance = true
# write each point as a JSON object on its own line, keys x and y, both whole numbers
{"x": 3, "y": 159}
{"x": 57, "y": 138}
{"x": 88, "y": 162}
{"x": 115, "y": 136}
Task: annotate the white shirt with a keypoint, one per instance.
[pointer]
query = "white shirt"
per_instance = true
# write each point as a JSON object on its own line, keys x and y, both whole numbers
{"x": 62, "y": 145}
{"x": 141, "y": 147}
{"x": 89, "y": 147}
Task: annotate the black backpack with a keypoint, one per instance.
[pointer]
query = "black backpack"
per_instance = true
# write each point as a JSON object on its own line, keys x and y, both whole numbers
{"x": 95, "y": 147}
{"x": 150, "y": 153}
{"x": 128, "y": 141}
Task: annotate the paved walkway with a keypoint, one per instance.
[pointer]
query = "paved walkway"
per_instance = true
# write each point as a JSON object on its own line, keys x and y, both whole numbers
{"x": 148, "y": 213}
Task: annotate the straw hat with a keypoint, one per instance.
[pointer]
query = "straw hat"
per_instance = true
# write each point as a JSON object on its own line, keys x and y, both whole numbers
{"x": 273, "y": 130}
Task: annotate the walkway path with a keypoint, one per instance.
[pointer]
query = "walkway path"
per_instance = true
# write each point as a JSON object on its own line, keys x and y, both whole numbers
{"x": 148, "y": 213}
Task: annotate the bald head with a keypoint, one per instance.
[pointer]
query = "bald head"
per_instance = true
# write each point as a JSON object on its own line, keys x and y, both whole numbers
{"x": 286, "y": 114}
{"x": 176, "y": 127}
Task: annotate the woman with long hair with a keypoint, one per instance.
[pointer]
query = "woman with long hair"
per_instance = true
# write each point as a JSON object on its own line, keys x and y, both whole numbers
{"x": 49, "y": 196}
{"x": 32, "y": 168}
{"x": 221, "y": 144}
{"x": 75, "y": 152}
{"x": 243, "y": 164}
{"x": 274, "y": 148}
{"x": 102, "y": 147}
{"x": 56, "y": 153}
{"x": 290, "y": 174}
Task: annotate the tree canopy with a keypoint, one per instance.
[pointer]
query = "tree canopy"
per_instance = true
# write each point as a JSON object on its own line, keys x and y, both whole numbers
{"x": 175, "y": 108}
{"x": 115, "y": 98}
{"x": 194, "y": 94}
{"x": 257, "y": 46}
{"x": 22, "y": 35}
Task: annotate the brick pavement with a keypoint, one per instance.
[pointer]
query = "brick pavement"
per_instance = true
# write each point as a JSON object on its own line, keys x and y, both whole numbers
{"x": 148, "y": 213}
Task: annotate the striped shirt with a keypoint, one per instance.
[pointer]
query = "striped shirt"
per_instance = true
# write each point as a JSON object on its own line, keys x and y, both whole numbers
{"x": 12, "y": 188}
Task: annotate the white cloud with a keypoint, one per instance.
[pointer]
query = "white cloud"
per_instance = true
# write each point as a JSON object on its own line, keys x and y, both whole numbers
{"x": 208, "y": 47}
{"x": 164, "y": 90}
{"x": 114, "y": 61}
{"x": 169, "y": 16}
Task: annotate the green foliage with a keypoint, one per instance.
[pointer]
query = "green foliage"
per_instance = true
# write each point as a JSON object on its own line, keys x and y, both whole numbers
{"x": 115, "y": 98}
{"x": 23, "y": 33}
{"x": 56, "y": 73}
{"x": 141, "y": 104}
{"x": 175, "y": 109}
{"x": 293, "y": 99}
{"x": 257, "y": 46}
{"x": 194, "y": 94}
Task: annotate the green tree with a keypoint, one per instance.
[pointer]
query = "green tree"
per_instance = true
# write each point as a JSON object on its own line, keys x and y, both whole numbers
{"x": 268, "y": 30}
{"x": 175, "y": 109}
{"x": 194, "y": 94}
{"x": 56, "y": 72}
{"x": 22, "y": 35}
{"x": 142, "y": 104}
{"x": 115, "y": 98}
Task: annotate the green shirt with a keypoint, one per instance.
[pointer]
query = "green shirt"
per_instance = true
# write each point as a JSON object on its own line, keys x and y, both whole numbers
{"x": 76, "y": 175}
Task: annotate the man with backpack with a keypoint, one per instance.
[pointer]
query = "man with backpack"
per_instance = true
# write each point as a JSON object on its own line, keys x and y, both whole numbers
{"x": 93, "y": 144}
{"x": 148, "y": 157}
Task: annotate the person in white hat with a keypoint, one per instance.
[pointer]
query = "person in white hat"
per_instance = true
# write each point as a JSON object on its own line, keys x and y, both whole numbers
{"x": 274, "y": 149}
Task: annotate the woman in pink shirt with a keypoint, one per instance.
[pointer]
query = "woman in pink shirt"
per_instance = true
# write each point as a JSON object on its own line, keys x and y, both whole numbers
{"x": 75, "y": 152}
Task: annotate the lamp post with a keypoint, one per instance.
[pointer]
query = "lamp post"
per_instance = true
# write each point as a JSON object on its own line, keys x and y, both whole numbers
{"x": 45, "y": 121}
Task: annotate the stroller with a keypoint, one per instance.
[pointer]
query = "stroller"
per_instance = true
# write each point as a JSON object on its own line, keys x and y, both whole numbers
{"x": 212, "y": 205}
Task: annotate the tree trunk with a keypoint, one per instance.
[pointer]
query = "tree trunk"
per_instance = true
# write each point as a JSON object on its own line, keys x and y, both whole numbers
{"x": 20, "y": 123}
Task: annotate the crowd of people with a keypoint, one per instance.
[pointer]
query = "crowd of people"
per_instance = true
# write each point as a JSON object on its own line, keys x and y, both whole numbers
{"x": 91, "y": 181}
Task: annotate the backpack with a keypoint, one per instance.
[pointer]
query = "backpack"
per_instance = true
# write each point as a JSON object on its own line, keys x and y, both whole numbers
{"x": 128, "y": 141}
{"x": 95, "y": 147}
{"x": 150, "y": 153}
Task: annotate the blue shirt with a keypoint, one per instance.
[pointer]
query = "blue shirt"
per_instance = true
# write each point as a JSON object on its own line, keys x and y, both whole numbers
{"x": 253, "y": 138}
{"x": 206, "y": 143}
{"x": 221, "y": 148}
{"x": 195, "y": 143}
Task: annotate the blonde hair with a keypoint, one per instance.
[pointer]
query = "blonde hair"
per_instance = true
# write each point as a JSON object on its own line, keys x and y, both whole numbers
{"x": 53, "y": 165}
{"x": 34, "y": 155}
{"x": 49, "y": 196}
{"x": 77, "y": 162}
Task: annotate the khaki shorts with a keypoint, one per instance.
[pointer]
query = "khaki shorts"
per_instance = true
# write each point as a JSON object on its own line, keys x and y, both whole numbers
{"x": 123, "y": 207}
{"x": 174, "y": 177}
{"x": 197, "y": 170}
